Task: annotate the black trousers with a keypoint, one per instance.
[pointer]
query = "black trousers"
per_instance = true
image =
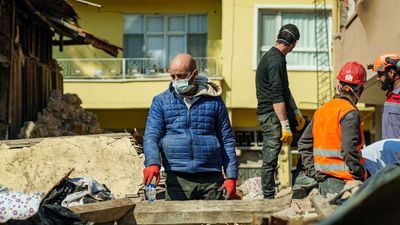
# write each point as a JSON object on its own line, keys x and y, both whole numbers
{"x": 272, "y": 144}
{"x": 193, "y": 186}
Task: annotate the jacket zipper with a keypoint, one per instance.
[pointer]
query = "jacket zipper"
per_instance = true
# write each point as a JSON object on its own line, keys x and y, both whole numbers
{"x": 189, "y": 124}
{"x": 190, "y": 135}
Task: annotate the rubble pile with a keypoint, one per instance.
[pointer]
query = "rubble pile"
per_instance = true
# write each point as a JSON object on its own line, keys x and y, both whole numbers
{"x": 109, "y": 161}
{"x": 298, "y": 209}
{"x": 63, "y": 116}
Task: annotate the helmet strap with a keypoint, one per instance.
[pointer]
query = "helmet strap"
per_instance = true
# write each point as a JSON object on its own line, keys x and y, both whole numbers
{"x": 347, "y": 89}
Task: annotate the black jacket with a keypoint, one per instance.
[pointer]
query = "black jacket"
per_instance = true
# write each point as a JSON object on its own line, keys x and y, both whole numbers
{"x": 272, "y": 84}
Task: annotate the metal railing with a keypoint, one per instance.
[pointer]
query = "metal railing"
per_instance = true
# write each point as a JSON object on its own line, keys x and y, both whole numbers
{"x": 128, "y": 68}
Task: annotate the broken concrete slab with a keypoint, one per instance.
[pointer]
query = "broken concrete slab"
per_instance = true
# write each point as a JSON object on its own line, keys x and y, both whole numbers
{"x": 112, "y": 162}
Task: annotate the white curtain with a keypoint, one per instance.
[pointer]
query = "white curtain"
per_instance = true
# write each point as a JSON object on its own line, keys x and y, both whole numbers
{"x": 304, "y": 53}
{"x": 268, "y": 30}
{"x": 176, "y": 45}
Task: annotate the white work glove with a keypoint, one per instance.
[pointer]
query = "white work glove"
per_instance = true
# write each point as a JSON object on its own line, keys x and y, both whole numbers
{"x": 351, "y": 188}
{"x": 287, "y": 135}
{"x": 299, "y": 119}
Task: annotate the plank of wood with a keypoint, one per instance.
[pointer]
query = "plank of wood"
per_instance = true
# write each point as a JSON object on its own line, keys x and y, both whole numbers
{"x": 20, "y": 143}
{"x": 206, "y": 212}
{"x": 102, "y": 212}
{"x": 322, "y": 205}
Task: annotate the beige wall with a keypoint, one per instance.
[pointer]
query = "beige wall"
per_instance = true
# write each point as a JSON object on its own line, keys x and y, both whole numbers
{"x": 370, "y": 34}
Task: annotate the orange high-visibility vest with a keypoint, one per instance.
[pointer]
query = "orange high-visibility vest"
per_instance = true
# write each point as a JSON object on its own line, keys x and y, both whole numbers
{"x": 327, "y": 138}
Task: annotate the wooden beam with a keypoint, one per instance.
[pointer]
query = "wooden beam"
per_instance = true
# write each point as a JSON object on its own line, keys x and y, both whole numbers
{"x": 102, "y": 212}
{"x": 20, "y": 143}
{"x": 206, "y": 212}
{"x": 42, "y": 17}
{"x": 89, "y": 3}
{"x": 69, "y": 42}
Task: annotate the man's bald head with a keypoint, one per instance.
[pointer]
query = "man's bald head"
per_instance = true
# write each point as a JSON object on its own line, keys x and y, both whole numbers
{"x": 183, "y": 63}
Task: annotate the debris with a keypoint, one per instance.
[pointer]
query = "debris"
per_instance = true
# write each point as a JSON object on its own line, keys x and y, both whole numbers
{"x": 63, "y": 116}
{"x": 322, "y": 205}
{"x": 251, "y": 189}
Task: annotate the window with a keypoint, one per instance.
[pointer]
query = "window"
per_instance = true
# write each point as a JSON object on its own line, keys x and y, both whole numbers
{"x": 161, "y": 37}
{"x": 303, "y": 55}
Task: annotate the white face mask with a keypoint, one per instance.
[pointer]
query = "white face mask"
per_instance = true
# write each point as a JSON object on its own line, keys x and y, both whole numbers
{"x": 182, "y": 86}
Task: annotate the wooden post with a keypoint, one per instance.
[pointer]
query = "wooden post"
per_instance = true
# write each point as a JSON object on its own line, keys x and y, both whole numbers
{"x": 284, "y": 169}
{"x": 5, "y": 30}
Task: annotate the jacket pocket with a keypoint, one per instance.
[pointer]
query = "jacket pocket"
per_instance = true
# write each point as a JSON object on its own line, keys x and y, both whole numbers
{"x": 210, "y": 150}
{"x": 175, "y": 147}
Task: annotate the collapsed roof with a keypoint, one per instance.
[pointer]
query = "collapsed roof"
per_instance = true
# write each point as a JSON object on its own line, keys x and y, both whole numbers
{"x": 63, "y": 19}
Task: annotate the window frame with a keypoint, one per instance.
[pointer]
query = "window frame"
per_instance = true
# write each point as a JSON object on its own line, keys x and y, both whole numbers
{"x": 166, "y": 33}
{"x": 259, "y": 9}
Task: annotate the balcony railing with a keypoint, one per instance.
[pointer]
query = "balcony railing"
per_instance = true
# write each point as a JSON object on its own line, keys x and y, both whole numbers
{"x": 128, "y": 68}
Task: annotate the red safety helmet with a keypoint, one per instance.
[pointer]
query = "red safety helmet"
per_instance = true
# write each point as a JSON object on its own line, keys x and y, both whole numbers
{"x": 380, "y": 63}
{"x": 353, "y": 73}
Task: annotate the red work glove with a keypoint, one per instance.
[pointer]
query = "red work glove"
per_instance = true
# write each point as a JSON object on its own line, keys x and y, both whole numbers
{"x": 150, "y": 172}
{"x": 230, "y": 186}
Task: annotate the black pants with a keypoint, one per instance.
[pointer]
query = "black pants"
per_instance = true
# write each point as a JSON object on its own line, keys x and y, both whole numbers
{"x": 193, "y": 186}
{"x": 272, "y": 144}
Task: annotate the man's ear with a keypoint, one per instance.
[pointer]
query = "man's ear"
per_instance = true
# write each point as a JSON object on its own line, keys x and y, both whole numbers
{"x": 195, "y": 73}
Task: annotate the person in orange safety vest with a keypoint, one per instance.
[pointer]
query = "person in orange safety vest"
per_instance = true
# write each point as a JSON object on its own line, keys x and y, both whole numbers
{"x": 330, "y": 147}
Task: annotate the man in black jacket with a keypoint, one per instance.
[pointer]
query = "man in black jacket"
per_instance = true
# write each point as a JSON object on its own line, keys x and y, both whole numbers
{"x": 277, "y": 112}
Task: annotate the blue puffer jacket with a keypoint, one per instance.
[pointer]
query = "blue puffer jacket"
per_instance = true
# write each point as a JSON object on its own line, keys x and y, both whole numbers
{"x": 199, "y": 139}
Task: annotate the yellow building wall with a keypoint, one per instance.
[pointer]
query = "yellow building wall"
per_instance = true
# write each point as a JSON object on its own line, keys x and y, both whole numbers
{"x": 119, "y": 95}
{"x": 123, "y": 105}
{"x": 121, "y": 119}
{"x": 108, "y": 22}
{"x": 230, "y": 34}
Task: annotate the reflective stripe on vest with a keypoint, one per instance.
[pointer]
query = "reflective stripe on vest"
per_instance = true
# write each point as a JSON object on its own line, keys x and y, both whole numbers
{"x": 331, "y": 167}
{"x": 331, "y": 156}
{"x": 327, "y": 138}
